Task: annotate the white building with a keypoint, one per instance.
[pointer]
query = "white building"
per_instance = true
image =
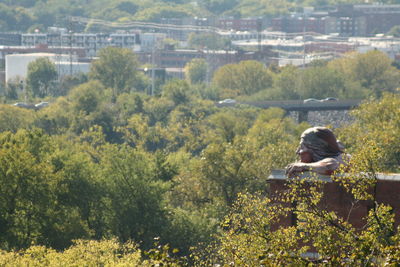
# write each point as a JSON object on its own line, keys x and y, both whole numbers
{"x": 17, "y": 65}
{"x": 65, "y": 68}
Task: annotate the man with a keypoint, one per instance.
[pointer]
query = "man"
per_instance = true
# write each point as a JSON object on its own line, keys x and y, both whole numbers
{"x": 319, "y": 152}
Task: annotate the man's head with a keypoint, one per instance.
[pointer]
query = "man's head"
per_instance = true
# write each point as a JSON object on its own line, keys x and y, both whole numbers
{"x": 316, "y": 144}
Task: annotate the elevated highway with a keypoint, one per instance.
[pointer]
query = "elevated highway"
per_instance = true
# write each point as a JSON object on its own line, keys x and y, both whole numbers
{"x": 300, "y": 106}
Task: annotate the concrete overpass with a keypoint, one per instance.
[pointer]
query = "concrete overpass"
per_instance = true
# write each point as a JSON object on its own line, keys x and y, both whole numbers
{"x": 300, "y": 106}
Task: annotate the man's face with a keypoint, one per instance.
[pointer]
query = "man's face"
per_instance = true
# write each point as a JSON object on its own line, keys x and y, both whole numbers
{"x": 304, "y": 154}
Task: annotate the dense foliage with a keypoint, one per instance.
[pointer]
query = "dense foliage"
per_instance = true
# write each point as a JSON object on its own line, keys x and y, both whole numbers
{"x": 106, "y": 161}
{"x": 41, "y": 73}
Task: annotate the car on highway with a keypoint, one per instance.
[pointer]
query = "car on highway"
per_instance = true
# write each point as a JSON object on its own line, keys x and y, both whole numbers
{"x": 330, "y": 99}
{"x": 20, "y": 104}
{"x": 227, "y": 101}
{"x": 24, "y": 105}
{"x": 41, "y": 105}
{"x": 311, "y": 100}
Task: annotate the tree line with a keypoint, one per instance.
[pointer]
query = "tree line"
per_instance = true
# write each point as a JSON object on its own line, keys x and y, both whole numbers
{"x": 354, "y": 76}
{"x": 28, "y": 15}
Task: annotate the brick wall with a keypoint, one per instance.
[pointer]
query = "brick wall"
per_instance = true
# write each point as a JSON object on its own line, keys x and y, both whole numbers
{"x": 386, "y": 191}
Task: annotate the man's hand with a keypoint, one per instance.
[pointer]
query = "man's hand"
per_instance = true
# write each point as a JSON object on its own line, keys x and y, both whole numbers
{"x": 295, "y": 168}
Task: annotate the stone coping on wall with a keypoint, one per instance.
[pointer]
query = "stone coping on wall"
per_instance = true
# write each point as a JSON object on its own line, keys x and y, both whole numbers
{"x": 280, "y": 175}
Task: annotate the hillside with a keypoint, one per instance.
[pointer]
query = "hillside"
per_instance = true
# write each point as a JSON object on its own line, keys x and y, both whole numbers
{"x": 28, "y": 15}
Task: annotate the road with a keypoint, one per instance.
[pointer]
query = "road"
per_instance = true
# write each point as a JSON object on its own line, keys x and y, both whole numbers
{"x": 299, "y": 105}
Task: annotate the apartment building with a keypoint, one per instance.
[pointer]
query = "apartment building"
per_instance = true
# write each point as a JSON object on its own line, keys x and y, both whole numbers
{"x": 346, "y": 20}
{"x": 244, "y": 24}
{"x": 91, "y": 42}
{"x": 379, "y": 18}
{"x": 10, "y": 39}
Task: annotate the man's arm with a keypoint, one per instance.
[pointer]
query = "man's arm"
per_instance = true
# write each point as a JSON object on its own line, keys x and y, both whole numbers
{"x": 326, "y": 167}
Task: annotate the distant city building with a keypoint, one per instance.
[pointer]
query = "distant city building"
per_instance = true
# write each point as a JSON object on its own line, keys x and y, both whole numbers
{"x": 175, "y": 59}
{"x": 299, "y": 24}
{"x": 346, "y": 20}
{"x": 241, "y": 35}
{"x": 16, "y": 66}
{"x": 36, "y": 39}
{"x": 73, "y": 51}
{"x": 294, "y": 49}
{"x": 65, "y": 68}
{"x": 182, "y": 33}
{"x": 90, "y": 42}
{"x": 297, "y": 38}
{"x": 244, "y": 24}
{"x": 380, "y": 18}
{"x": 10, "y": 38}
{"x": 389, "y": 45}
{"x": 150, "y": 40}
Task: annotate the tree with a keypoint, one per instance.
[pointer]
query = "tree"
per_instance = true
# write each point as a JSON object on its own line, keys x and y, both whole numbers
{"x": 286, "y": 83}
{"x": 186, "y": 128}
{"x": 127, "y": 7}
{"x": 377, "y": 121}
{"x": 244, "y": 78}
{"x": 158, "y": 109}
{"x": 196, "y": 71}
{"x": 87, "y": 97}
{"x": 211, "y": 41}
{"x": 70, "y": 81}
{"x": 320, "y": 82}
{"x": 228, "y": 124}
{"x": 163, "y": 10}
{"x": 220, "y": 6}
{"x": 177, "y": 91}
{"x": 14, "y": 118}
{"x": 88, "y": 109}
{"x": 116, "y": 68}
{"x": 376, "y": 72}
{"x": 395, "y": 31}
{"x": 239, "y": 163}
{"x": 54, "y": 119}
{"x": 373, "y": 71}
{"x": 127, "y": 105}
{"x": 41, "y": 73}
{"x": 12, "y": 88}
{"x": 136, "y": 195}
{"x": 34, "y": 189}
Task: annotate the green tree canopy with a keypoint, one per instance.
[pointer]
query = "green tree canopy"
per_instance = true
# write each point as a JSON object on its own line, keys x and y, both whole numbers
{"x": 320, "y": 82}
{"x": 87, "y": 97}
{"x": 377, "y": 121}
{"x": 243, "y": 78}
{"x": 41, "y": 73}
{"x": 395, "y": 31}
{"x": 177, "y": 91}
{"x": 372, "y": 70}
{"x": 196, "y": 71}
{"x": 116, "y": 68}
{"x": 207, "y": 41}
{"x": 14, "y": 118}
{"x": 164, "y": 10}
